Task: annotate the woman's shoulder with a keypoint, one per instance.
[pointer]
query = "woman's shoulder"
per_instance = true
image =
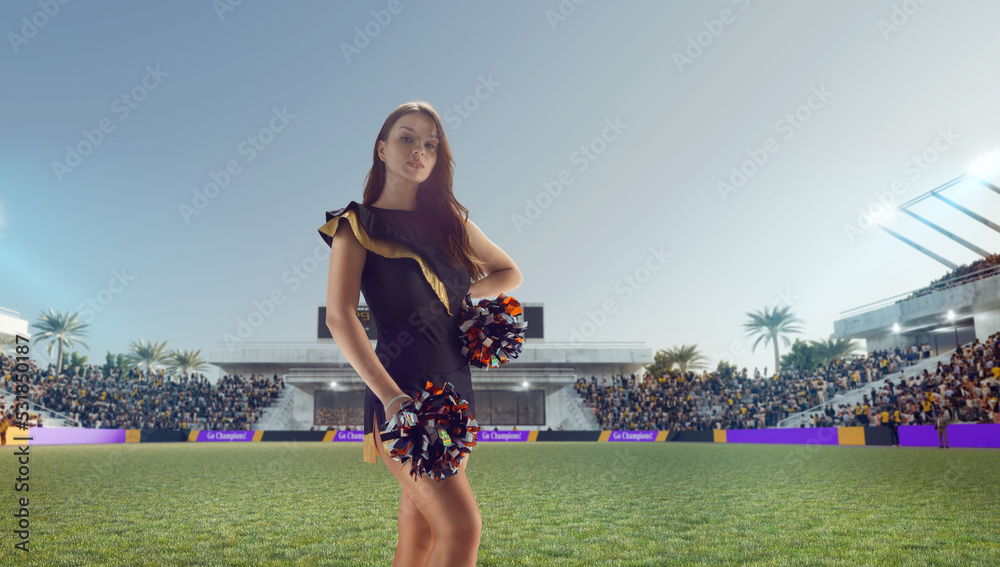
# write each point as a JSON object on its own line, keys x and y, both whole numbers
{"x": 360, "y": 217}
{"x": 350, "y": 206}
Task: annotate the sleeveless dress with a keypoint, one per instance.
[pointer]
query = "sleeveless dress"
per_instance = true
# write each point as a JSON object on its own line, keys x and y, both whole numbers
{"x": 414, "y": 294}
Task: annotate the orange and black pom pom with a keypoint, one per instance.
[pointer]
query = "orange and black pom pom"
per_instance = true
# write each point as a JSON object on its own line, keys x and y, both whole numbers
{"x": 490, "y": 334}
{"x": 433, "y": 433}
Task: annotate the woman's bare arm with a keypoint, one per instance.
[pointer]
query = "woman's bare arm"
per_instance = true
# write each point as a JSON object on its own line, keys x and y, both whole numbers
{"x": 347, "y": 259}
{"x": 502, "y": 274}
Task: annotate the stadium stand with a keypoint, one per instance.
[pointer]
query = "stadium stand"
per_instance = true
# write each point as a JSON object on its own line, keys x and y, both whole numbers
{"x": 965, "y": 381}
{"x": 140, "y": 400}
{"x": 859, "y": 391}
{"x": 984, "y": 268}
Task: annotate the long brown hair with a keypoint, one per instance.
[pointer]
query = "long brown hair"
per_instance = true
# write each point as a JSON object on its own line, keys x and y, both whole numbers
{"x": 435, "y": 197}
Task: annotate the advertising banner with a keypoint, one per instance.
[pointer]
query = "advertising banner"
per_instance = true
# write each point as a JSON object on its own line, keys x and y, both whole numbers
{"x": 803, "y": 436}
{"x": 225, "y": 436}
{"x": 358, "y": 436}
{"x": 633, "y": 436}
{"x": 502, "y": 436}
{"x": 64, "y": 436}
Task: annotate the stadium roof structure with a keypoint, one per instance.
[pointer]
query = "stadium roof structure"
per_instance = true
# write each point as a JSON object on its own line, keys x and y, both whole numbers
{"x": 937, "y": 193}
{"x": 944, "y": 318}
{"x": 950, "y": 312}
{"x": 323, "y": 361}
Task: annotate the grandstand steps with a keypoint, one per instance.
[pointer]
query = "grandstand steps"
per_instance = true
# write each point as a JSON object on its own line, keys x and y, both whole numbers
{"x": 857, "y": 395}
{"x": 565, "y": 408}
{"x": 50, "y": 418}
{"x": 278, "y": 416}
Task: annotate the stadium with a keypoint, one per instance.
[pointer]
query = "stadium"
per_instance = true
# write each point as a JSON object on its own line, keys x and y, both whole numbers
{"x": 889, "y": 397}
{"x": 177, "y": 190}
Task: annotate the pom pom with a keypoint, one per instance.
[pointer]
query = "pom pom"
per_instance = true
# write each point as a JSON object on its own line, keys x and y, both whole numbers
{"x": 433, "y": 432}
{"x": 490, "y": 334}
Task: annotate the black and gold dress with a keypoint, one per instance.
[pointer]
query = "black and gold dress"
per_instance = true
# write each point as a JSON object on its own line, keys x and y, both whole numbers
{"x": 415, "y": 295}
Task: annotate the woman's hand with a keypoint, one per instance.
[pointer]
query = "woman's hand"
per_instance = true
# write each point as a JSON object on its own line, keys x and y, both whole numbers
{"x": 474, "y": 294}
{"x": 393, "y": 407}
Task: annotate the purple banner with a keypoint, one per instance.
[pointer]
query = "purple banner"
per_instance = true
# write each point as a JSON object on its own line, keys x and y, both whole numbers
{"x": 225, "y": 436}
{"x": 982, "y": 435}
{"x": 349, "y": 436}
{"x": 800, "y": 436}
{"x": 918, "y": 436}
{"x": 65, "y": 436}
{"x": 501, "y": 436}
{"x": 633, "y": 436}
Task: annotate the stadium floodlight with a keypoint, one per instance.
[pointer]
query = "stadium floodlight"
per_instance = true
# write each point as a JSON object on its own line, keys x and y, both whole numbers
{"x": 985, "y": 166}
{"x": 895, "y": 327}
{"x": 525, "y": 384}
{"x": 951, "y": 314}
{"x": 887, "y": 216}
{"x": 333, "y": 384}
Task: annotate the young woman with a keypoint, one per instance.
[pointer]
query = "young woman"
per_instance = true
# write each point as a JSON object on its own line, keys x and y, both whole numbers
{"x": 411, "y": 250}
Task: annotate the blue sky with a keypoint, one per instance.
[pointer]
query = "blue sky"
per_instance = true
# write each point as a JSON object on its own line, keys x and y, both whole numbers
{"x": 833, "y": 99}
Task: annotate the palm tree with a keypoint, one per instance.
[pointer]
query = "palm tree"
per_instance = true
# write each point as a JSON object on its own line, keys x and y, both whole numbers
{"x": 148, "y": 355}
{"x": 687, "y": 357}
{"x": 770, "y": 326}
{"x": 61, "y": 330}
{"x": 832, "y": 349}
{"x": 662, "y": 363}
{"x": 184, "y": 361}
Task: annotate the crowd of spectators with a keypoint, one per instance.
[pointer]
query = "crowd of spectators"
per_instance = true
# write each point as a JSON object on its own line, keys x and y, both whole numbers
{"x": 983, "y": 268}
{"x": 332, "y": 417}
{"x": 968, "y": 386}
{"x": 135, "y": 399}
{"x": 702, "y": 401}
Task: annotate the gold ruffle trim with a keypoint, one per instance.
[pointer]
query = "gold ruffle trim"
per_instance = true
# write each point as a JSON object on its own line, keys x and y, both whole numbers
{"x": 370, "y": 452}
{"x": 387, "y": 249}
{"x": 369, "y": 445}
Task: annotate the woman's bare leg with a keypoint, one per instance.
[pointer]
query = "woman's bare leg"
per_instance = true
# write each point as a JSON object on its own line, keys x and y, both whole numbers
{"x": 447, "y": 506}
{"x": 415, "y": 539}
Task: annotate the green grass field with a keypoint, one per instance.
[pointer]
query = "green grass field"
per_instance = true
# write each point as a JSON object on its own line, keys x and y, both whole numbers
{"x": 542, "y": 504}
